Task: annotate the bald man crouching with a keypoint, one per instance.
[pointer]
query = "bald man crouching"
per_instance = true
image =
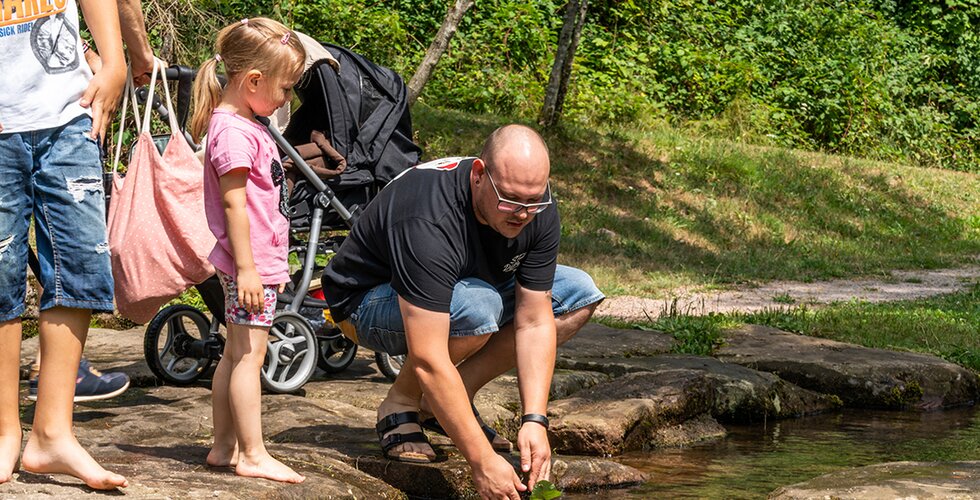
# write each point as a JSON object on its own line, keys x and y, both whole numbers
{"x": 455, "y": 265}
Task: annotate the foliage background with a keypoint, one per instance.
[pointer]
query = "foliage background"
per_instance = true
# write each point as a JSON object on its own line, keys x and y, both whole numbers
{"x": 882, "y": 79}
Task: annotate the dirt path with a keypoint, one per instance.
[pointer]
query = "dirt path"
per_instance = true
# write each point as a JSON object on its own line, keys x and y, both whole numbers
{"x": 902, "y": 285}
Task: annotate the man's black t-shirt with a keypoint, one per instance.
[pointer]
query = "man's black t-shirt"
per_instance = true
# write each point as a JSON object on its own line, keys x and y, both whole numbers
{"x": 421, "y": 235}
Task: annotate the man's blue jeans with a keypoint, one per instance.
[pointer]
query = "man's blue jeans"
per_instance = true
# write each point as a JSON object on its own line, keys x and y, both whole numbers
{"x": 54, "y": 175}
{"x": 477, "y": 308}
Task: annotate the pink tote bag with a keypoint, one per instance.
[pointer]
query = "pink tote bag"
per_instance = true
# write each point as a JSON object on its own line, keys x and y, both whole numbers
{"x": 159, "y": 239}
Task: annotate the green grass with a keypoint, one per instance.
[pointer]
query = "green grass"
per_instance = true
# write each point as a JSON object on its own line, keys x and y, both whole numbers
{"x": 649, "y": 209}
{"x": 947, "y": 326}
{"x": 696, "y": 335}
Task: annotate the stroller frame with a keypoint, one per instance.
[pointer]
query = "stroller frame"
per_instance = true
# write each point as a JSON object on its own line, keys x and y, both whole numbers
{"x": 290, "y": 360}
{"x": 372, "y": 108}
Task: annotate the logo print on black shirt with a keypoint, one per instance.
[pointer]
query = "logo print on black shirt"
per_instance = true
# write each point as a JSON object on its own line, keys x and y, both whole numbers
{"x": 514, "y": 263}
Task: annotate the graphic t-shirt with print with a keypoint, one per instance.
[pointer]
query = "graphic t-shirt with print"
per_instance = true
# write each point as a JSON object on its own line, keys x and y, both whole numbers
{"x": 43, "y": 73}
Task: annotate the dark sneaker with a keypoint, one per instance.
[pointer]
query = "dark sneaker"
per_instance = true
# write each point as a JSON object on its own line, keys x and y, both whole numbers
{"x": 91, "y": 384}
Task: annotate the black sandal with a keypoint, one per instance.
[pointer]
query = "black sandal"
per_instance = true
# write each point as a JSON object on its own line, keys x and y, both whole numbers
{"x": 392, "y": 421}
{"x": 433, "y": 425}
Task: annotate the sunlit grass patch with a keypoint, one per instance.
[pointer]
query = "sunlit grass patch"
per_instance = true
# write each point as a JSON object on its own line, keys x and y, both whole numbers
{"x": 644, "y": 206}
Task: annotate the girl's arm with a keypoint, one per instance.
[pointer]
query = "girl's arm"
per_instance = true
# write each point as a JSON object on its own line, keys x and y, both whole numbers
{"x": 102, "y": 94}
{"x": 250, "y": 292}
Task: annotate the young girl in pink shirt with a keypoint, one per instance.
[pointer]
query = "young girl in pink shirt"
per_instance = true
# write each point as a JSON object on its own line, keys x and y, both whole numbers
{"x": 245, "y": 201}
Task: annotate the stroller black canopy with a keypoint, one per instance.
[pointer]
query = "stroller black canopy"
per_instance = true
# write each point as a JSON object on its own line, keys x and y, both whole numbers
{"x": 362, "y": 109}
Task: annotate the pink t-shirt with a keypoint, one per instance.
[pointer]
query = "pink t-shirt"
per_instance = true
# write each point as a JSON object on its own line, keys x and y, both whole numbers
{"x": 235, "y": 142}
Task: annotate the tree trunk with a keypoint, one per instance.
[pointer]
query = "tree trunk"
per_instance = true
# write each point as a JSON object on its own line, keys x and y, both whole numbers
{"x": 571, "y": 31}
{"x": 437, "y": 48}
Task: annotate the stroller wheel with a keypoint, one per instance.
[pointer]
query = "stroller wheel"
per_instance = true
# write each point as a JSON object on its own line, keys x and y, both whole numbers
{"x": 291, "y": 356}
{"x": 389, "y": 365}
{"x": 169, "y": 344}
{"x": 336, "y": 353}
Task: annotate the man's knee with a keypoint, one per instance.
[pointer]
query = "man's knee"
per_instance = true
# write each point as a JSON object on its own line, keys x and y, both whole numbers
{"x": 569, "y": 324}
{"x": 574, "y": 290}
{"x": 575, "y": 298}
{"x": 477, "y": 309}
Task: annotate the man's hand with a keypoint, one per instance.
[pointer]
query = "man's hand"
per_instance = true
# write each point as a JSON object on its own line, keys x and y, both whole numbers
{"x": 141, "y": 68}
{"x": 251, "y": 294}
{"x": 102, "y": 95}
{"x": 532, "y": 440}
{"x": 495, "y": 478}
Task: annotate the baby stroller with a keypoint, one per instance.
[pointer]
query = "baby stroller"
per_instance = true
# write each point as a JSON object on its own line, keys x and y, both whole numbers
{"x": 361, "y": 109}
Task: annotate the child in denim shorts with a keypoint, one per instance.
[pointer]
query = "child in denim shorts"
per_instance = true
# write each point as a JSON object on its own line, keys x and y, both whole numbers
{"x": 52, "y": 115}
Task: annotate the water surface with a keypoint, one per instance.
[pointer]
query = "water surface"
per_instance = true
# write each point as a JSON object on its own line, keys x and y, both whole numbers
{"x": 755, "y": 460}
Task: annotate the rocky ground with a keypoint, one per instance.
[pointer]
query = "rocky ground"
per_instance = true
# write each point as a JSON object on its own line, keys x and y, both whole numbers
{"x": 614, "y": 391}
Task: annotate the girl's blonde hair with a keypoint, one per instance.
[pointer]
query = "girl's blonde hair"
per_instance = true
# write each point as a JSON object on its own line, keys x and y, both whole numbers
{"x": 257, "y": 43}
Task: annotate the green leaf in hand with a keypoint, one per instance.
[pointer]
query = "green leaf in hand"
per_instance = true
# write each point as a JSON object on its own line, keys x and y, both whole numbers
{"x": 544, "y": 490}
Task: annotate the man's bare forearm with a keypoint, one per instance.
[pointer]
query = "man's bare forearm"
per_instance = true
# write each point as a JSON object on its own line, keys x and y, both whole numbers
{"x": 133, "y": 29}
{"x": 535, "y": 344}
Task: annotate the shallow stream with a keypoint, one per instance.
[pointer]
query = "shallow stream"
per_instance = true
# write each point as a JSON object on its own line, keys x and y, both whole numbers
{"x": 755, "y": 460}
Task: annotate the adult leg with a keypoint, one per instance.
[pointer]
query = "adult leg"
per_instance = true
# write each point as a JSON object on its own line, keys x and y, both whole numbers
{"x": 574, "y": 299}
{"x": 15, "y": 217}
{"x": 248, "y": 346}
{"x": 10, "y": 433}
{"x": 475, "y": 311}
{"x": 52, "y": 447}
{"x": 69, "y": 214}
{"x": 405, "y": 395}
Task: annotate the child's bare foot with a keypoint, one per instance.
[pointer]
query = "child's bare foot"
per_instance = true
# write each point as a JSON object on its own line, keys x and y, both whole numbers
{"x": 66, "y": 456}
{"x": 9, "y": 453}
{"x": 268, "y": 468}
{"x": 220, "y": 457}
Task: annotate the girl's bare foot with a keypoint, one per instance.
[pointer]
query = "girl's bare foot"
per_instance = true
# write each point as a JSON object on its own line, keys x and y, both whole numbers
{"x": 9, "y": 454}
{"x": 219, "y": 456}
{"x": 66, "y": 456}
{"x": 267, "y": 467}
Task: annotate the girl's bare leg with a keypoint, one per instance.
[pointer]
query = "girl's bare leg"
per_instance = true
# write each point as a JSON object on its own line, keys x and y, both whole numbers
{"x": 224, "y": 451}
{"x": 248, "y": 346}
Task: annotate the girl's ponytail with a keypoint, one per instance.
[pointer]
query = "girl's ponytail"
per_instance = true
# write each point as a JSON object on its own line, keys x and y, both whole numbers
{"x": 259, "y": 43}
{"x": 207, "y": 96}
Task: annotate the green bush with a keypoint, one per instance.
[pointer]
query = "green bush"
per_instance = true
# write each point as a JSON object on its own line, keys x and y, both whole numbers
{"x": 881, "y": 79}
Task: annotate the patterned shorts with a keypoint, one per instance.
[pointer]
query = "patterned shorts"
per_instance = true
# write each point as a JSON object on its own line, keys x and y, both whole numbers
{"x": 236, "y": 313}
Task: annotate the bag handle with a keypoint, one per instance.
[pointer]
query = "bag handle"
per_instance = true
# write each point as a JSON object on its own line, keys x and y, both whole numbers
{"x": 130, "y": 96}
{"x": 127, "y": 93}
{"x": 158, "y": 68}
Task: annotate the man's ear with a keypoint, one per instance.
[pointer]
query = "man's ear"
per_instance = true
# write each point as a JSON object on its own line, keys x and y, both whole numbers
{"x": 477, "y": 170}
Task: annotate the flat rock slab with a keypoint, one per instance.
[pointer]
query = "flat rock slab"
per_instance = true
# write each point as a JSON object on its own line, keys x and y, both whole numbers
{"x": 158, "y": 437}
{"x": 668, "y": 401}
{"x": 598, "y": 341}
{"x": 946, "y": 480}
{"x": 859, "y": 376}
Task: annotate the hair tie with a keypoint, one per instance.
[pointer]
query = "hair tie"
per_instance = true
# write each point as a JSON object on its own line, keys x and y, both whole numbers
{"x": 286, "y": 37}
{"x": 217, "y": 57}
{"x": 245, "y": 21}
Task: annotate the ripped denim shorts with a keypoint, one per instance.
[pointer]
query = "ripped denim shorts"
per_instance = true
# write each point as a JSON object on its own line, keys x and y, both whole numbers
{"x": 54, "y": 175}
